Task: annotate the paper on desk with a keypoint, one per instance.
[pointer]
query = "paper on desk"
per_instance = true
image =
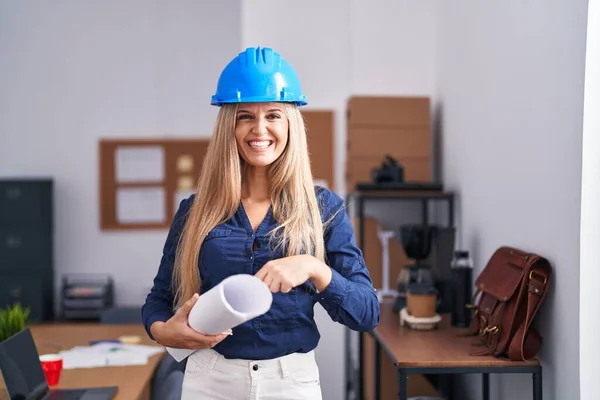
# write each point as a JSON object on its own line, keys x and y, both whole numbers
{"x": 108, "y": 354}
{"x": 141, "y": 349}
{"x": 235, "y": 300}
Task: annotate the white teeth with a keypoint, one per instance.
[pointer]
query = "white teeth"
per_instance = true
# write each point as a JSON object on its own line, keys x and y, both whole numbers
{"x": 259, "y": 145}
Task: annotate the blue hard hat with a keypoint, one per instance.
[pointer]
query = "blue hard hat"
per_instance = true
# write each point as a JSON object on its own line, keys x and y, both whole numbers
{"x": 258, "y": 75}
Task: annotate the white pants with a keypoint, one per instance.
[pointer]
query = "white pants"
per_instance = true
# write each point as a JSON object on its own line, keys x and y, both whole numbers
{"x": 210, "y": 376}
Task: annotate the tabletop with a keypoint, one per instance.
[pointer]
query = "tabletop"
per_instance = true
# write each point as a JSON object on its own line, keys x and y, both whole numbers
{"x": 445, "y": 346}
{"x": 133, "y": 381}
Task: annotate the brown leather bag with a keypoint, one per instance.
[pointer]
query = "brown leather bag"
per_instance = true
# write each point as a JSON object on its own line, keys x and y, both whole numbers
{"x": 511, "y": 289}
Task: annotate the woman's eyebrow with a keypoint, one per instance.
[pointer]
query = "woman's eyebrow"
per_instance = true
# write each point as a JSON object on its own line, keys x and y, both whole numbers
{"x": 250, "y": 112}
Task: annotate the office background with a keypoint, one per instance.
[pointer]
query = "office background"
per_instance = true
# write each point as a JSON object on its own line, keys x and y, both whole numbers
{"x": 506, "y": 80}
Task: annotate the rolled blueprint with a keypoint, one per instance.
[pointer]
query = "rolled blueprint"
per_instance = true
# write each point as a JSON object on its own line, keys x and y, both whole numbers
{"x": 237, "y": 299}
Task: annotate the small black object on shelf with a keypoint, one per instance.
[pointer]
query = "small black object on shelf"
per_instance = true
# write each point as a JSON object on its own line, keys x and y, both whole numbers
{"x": 389, "y": 171}
{"x": 390, "y": 176}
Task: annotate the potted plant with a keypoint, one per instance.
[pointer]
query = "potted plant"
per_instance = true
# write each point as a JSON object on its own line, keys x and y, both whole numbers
{"x": 13, "y": 319}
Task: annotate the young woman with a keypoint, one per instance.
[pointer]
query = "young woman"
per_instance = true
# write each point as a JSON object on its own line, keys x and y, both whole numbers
{"x": 256, "y": 211}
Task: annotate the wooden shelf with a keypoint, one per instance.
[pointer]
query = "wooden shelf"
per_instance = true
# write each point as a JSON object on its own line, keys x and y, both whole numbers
{"x": 445, "y": 346}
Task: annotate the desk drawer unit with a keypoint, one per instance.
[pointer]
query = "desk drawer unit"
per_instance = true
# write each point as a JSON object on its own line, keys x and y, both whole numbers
{"x": 26, "y": 201}
{"x": 26, "y": 246}
{"x": 28, "y": 290}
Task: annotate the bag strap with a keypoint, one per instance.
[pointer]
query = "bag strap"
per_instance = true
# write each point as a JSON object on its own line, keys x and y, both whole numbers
{"x": 537, "y": 289}
{"x": 473, "y": 329}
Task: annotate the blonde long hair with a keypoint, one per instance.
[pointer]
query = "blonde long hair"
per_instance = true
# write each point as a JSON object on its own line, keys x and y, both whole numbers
{"x": 219, "y": 193}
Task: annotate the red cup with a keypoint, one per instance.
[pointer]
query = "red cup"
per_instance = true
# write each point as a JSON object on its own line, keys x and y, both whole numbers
{"x": 52, "y": 364}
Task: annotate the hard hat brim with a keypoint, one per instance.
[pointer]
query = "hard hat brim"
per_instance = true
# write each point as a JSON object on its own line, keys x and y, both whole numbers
{"x": 218, "y": 102}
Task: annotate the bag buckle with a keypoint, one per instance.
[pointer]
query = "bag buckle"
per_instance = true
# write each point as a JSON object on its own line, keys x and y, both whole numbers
{"x": 482, "y": 324}
{"x": 534, "y": 272}
{"x": 489, "y": 330}
{"x": 492, "y": 329}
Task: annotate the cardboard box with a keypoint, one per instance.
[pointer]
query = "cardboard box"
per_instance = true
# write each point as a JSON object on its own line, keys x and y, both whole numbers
{"x": 388, "y": 111}
{"x": 396, "y": 126}
{"x": 320, "y": 133}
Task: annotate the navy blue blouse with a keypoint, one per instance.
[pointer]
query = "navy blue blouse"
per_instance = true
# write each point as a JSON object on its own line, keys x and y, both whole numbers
{"x": 288, "y": 326}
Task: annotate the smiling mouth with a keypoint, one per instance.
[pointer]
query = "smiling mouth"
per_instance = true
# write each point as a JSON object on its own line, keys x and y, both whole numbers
{"x": 259, "y": 144}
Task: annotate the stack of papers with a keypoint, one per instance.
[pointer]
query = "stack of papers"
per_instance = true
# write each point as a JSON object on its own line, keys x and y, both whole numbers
{"x": 108, "y": 354}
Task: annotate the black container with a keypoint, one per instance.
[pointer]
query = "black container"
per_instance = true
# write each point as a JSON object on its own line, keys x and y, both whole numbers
{"x": 462, "y": 282}
{"x": 416, "y": 241}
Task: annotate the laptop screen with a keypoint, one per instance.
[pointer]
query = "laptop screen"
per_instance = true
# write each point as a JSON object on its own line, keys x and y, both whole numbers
{"x": 21, "y": 367}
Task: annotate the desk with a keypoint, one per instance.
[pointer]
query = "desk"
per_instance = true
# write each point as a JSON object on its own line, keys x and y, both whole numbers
{"x": 133, "y": 381}
{"x": 440, "y": 351}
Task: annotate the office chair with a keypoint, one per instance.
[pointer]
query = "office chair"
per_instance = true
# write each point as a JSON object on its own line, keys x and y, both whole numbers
{"x": 121, "y": 315}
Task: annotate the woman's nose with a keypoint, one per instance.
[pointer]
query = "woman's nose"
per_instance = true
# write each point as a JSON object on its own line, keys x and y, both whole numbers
{"x": 260, "y": 127}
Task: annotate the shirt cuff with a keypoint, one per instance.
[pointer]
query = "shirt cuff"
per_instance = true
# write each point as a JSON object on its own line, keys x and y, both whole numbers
{"x": 335, "y": 292}
{"x": 160, "y": 316}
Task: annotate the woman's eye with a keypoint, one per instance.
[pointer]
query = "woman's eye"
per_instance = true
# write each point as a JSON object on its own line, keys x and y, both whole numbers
{"x": 273, "y": 116}
{"x": 244, "y": 116}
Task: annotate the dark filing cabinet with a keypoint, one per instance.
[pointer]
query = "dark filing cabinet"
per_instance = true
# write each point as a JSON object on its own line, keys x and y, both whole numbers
{"x": 26, "y": 246}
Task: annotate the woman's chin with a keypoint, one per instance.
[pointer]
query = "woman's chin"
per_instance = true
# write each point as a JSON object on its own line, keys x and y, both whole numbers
{"x": 259, "y": 162}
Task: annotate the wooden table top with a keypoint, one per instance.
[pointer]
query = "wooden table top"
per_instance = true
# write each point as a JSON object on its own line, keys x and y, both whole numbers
{"x": 443, "y": 347}
{"x": 132, "y": 381}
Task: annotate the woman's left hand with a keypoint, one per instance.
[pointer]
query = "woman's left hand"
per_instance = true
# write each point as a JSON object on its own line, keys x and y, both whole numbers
{"x": 283, "y": 274}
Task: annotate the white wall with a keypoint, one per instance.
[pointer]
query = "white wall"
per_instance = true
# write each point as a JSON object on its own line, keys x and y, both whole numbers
{"x": 511, "y": 79}
{"x": 589, "y": 295}
{"x": 393, "y": 48}
{"x": 73, "y": 72}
